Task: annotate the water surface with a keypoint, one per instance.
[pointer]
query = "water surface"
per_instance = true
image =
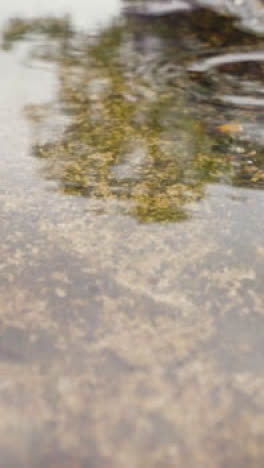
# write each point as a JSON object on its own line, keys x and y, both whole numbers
{"x": 131, "y": 204}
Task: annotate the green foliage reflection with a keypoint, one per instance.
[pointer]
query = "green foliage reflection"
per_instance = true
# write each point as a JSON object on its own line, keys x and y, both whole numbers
{"x": 129, "y": 136}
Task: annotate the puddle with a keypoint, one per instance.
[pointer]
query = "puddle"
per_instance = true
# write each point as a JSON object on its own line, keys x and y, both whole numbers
{"x": 131, "y": 254}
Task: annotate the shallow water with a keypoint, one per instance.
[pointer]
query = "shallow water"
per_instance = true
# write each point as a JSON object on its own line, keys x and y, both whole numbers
{"x": 132, "y": 244}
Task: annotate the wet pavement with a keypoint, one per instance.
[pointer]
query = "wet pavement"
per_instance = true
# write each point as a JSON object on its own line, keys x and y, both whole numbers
{"x": 132, "y": 251}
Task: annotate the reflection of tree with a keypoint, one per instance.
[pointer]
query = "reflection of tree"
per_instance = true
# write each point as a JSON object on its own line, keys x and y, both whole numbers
{"x": 18, "y": 29}
{"x": 116, "y": 113}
